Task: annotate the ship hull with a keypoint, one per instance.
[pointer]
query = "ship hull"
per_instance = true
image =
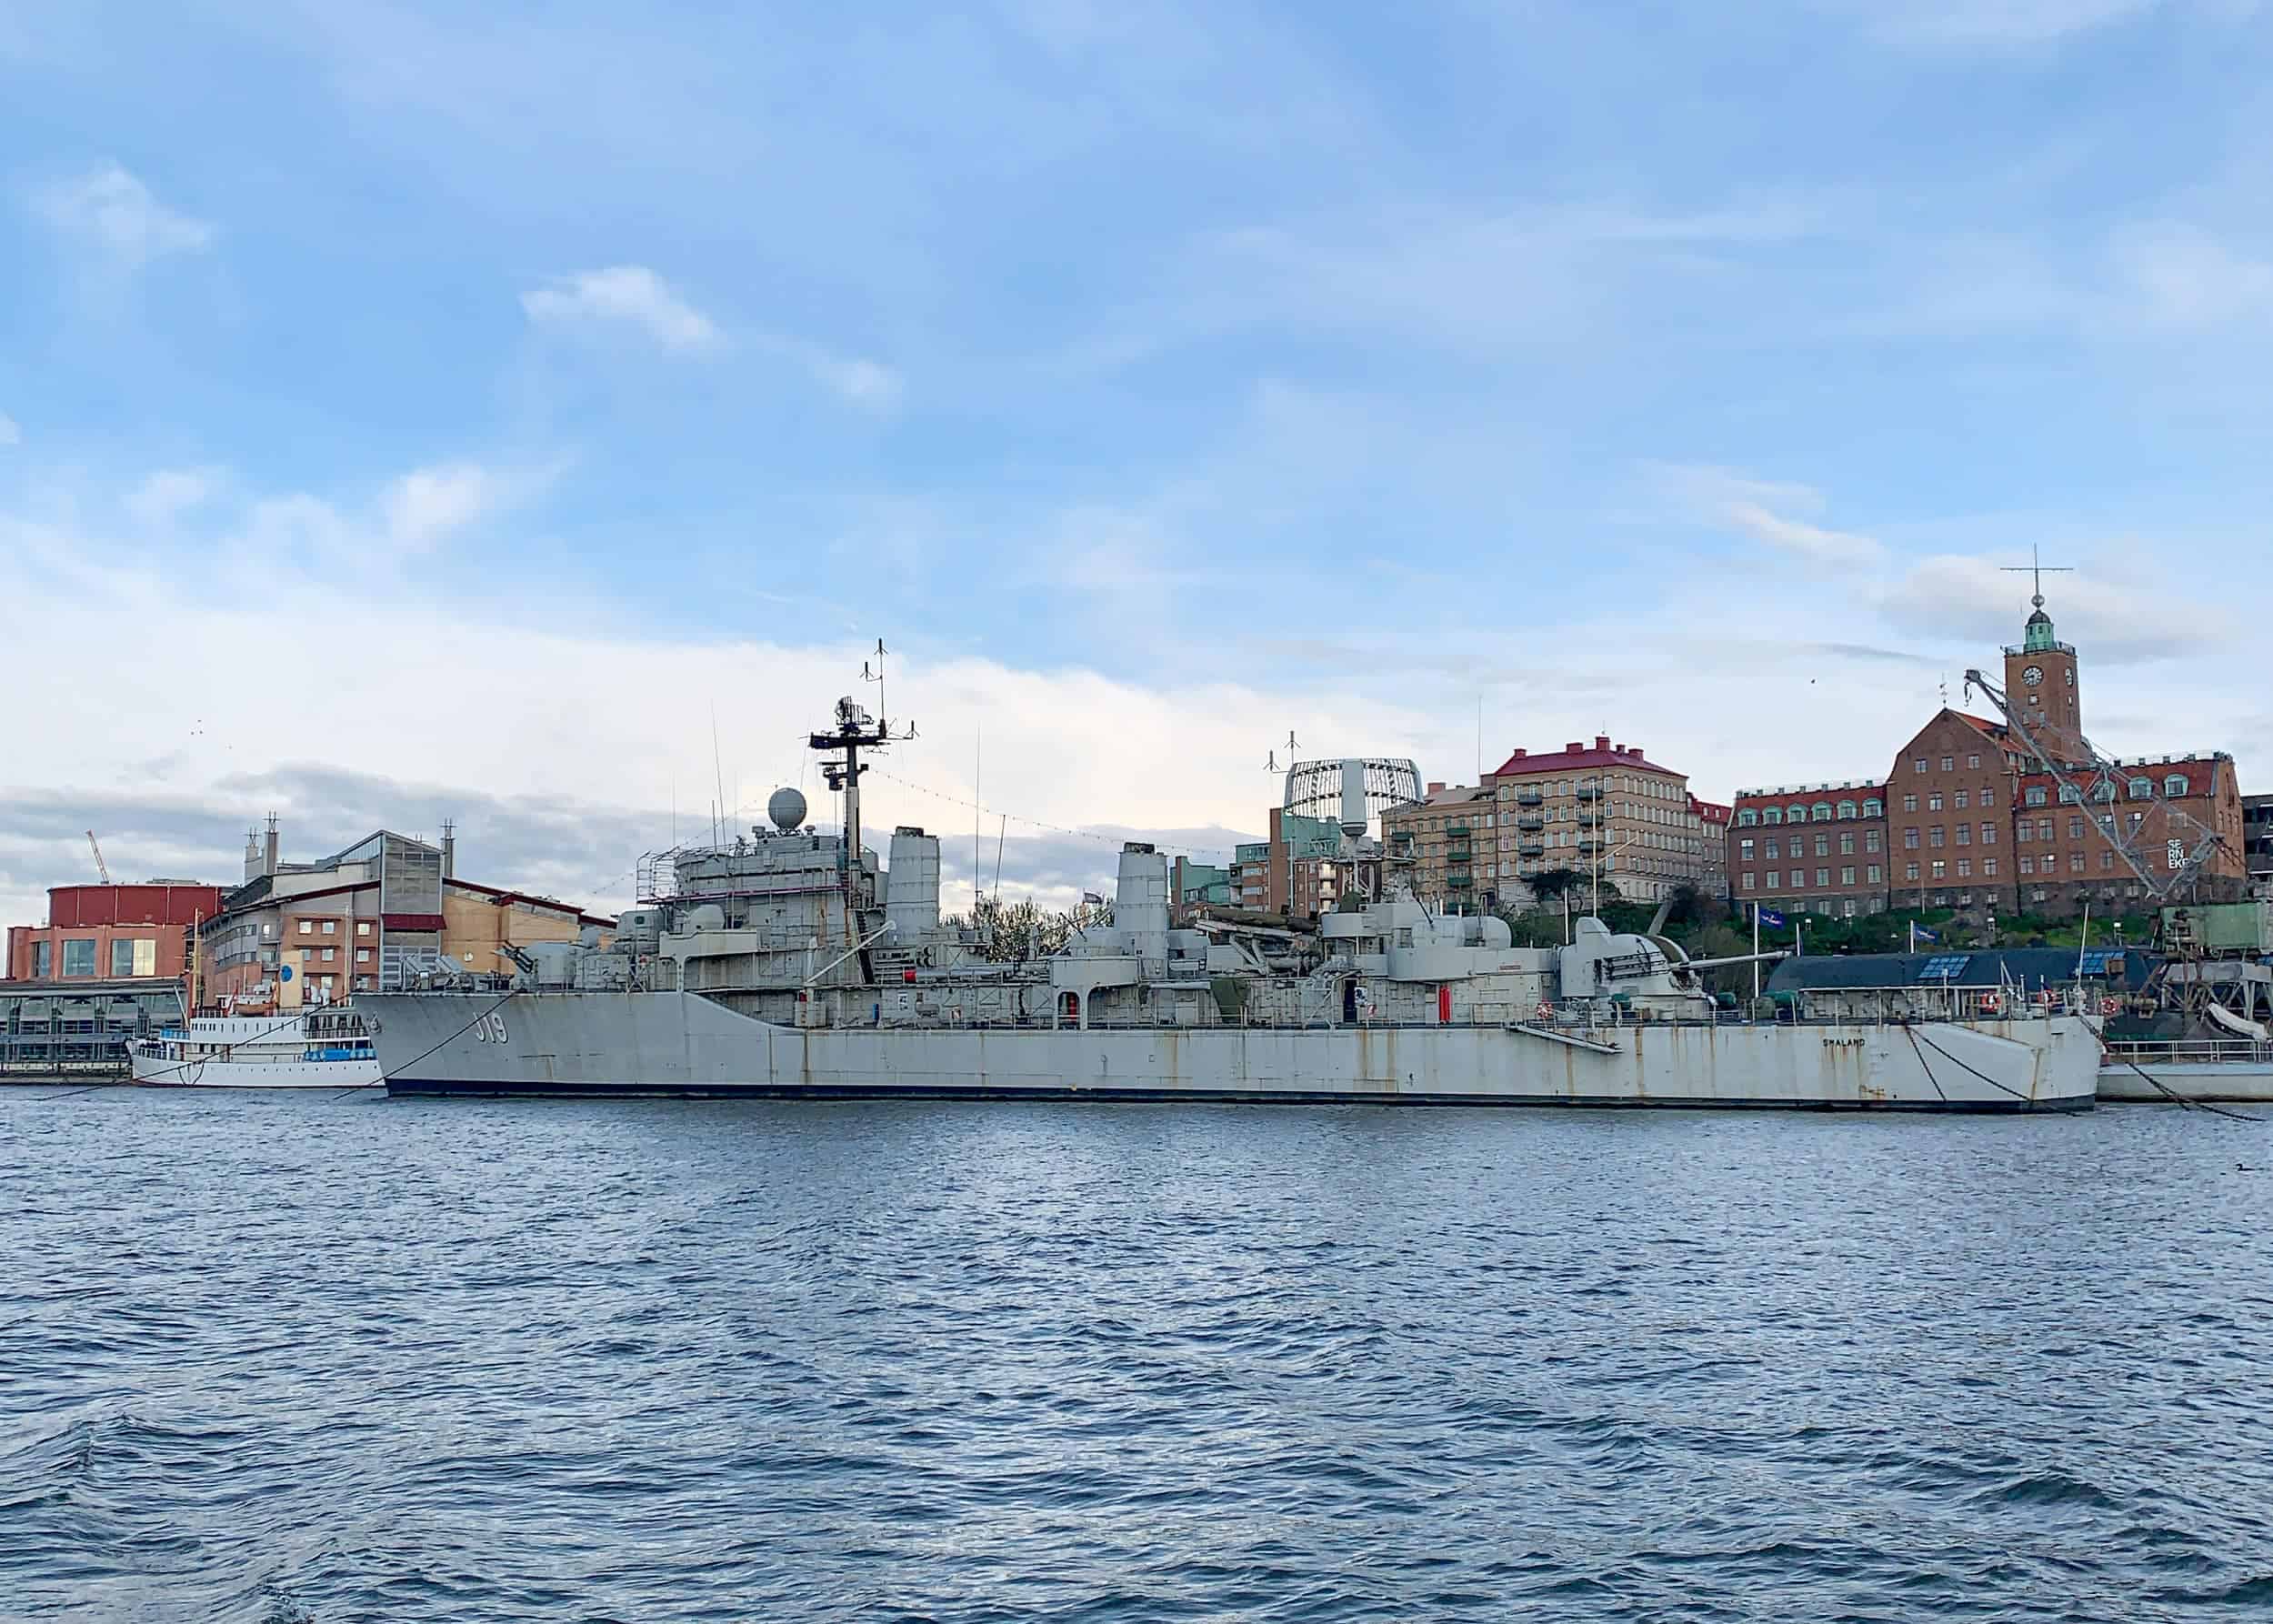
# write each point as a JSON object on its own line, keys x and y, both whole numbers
{"x": 682, "y": 1046}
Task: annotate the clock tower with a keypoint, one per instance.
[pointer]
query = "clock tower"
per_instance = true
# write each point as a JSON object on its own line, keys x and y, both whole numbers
{"x": 2040, "y": 687}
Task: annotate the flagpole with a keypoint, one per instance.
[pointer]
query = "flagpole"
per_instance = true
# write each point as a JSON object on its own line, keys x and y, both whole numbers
{"x": 1755, "y": 953}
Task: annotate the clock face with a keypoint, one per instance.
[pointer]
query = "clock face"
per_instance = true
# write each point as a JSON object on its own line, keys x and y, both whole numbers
{"x": 2033, "y": 675}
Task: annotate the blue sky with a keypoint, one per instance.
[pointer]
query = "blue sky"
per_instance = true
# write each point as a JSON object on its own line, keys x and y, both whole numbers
{"x": 470, "y": 398}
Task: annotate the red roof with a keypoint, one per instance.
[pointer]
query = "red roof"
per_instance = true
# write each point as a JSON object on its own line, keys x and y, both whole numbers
{"x": 1711, "y": 811}
{"x": 1577, "y": 757}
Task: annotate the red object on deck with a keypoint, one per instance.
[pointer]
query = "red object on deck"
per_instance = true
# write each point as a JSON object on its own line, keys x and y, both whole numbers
{"x": 1443, "y": 1006}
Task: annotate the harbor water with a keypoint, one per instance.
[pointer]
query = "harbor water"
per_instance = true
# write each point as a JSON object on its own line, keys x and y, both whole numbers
{"x": 277, "y": 1358}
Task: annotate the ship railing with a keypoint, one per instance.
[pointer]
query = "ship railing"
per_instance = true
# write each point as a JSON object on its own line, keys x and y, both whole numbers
{"x": 2198, "y": 1052}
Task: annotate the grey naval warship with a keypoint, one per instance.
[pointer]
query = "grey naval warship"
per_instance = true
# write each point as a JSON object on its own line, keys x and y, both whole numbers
{"x": 790, "y": 963}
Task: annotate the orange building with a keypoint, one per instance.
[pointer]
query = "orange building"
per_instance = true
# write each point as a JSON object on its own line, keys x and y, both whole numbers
{"x": 111, "y": 932}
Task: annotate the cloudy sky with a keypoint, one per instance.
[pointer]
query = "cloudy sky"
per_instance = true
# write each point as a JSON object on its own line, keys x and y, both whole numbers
{"x": 421, "y": 410}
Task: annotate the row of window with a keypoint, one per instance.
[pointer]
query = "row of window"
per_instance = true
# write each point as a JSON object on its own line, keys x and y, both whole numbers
{"x": 1961, "y": 799}
{"x": 1822, "y": 812}
{"x": 1873, "y": 839}
{"x": 130, "y": 955}
{"x": 1949, "y": 763}
{"x": 2175, "y": 787}
{"x": 362, "y": 954}
{"x": 331, "y": 927}
{"x": 1873, "y": 875}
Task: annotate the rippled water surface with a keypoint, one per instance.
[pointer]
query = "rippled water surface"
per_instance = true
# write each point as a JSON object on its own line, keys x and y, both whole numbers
{"x": 283, "y": 1358}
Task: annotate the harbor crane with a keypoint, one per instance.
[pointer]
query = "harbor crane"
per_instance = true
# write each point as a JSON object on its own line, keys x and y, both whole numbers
{"x": 101, "y": 867}
{"x": 2095, "y": 782}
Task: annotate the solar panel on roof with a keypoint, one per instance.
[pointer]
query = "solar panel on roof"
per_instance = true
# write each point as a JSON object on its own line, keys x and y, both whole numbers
{"x": 2094, "y": 959}
{"x": 1945, "y": 967}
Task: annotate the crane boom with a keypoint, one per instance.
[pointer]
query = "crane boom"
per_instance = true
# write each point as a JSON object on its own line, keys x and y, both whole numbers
{"x": 101, "y": 867}
{"x": 2100, "y": 776}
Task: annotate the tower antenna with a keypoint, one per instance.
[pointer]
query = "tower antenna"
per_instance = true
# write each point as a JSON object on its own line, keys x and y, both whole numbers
{"x": 2036, "y": 569}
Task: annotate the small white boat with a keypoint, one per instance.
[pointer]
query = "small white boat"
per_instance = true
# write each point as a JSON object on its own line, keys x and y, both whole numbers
{"x": 327, "y": 1048}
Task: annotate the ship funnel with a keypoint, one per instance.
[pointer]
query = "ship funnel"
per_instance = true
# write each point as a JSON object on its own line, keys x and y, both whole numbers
{"x": 911, "y": 892}
{"x": 1140, "y": 901}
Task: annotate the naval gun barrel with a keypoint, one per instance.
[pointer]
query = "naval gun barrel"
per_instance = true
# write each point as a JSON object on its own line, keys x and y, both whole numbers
{"x": 1714, "y": 964}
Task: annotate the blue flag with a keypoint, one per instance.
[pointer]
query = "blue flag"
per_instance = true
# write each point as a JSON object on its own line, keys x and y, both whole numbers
{"x": 1769, "y": 916}
{"x": 1923, "y": 934}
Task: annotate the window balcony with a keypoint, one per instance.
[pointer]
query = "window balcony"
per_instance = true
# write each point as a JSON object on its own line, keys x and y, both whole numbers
{"x": 1457, "y": 830}
{"x": 1529, "y": 798}
{"x": 1588, "y": 820}
{"x": 1458, "y": 882}
{"x": 1459, "y": 854}
{"x": 1588, "y": 792}
{"x": 1531, "y": 823}
{"x": 1532, "y": 848}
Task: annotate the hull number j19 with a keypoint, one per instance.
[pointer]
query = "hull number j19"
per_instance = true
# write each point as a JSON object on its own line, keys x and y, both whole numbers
{"x": 490, "y": 1028}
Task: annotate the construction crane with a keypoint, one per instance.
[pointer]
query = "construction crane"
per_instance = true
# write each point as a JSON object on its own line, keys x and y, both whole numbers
{"x": 101, "y": 867}
{"x": 2095, "y": 782}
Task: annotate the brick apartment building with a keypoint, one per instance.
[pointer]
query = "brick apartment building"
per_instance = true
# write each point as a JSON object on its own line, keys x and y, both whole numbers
{"x": 1302, "y": 870}
{"x": 1606, "y": 808}
{"x": 1969, "y": 817}
{"x": 124, "y": 932}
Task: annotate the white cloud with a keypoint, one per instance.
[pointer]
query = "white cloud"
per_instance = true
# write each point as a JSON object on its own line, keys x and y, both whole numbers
{"x": 2183, "y": 276}
{"x": 169, "y": 492}
{"x": 2117, "y": 616}
{"x": 628, "y": 294}
{"x": 429, "y": 505}
{"x": 868, "y": 383}
{"x": 10, "y": 435}
{"x": 1763, "y": 510}
{"x": 114, "y": 214}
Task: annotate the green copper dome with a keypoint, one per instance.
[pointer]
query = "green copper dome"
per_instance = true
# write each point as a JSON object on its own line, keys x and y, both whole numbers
{"x": 2039, "y": 638}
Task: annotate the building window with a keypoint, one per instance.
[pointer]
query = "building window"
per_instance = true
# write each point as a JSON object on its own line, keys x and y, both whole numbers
{"x": 1936, "y": 835}
{"x": 1823, "y": 811}
{"x": 137, "y": 957}
{"x": 78, "y": 956}
{"x": 2075, "y": 862}
{"x": 1847, "y": 875}
{"x": 1873, "y": 874}
{"x": 2028, "y": 864}
{"x": 1775, "y": 848}
{"x": 331, "y": 927}
{"x": 1744, "y": 851}
{"x": 2034, "y": 797}
{"x": 1795, "y": 814}
{"x": 1748, "y": 879}
{"x": 1909, "y": 803}
{"x": 1918, "y": 765}
{"x": 1964, "y": 834}
{"x": 1989, "y": 798}
{"x": 2142, "y": 789}
{"x": 1847, "y": 843}
{"x": 2025, "y": 831}
{"x": 1822, "y": 876}
{"x": 1964, "y": 868}
{"x": 330, "y": 954}
{"x": 362, "y": 928}
{"x": 1989, "y": 834}
{"x": 1874, "y": 807}
{"x": 2107, "y": 860}
{"x": 2174, "y": 788}
{"x": 1958, "y": 801}
{"x": 2075, "y": 828}
{"x": 1775, "y": 879}
{"x": 2070, "y": 796}
{"x": 1973, "y": 764}
{"x": 1771, "y": 814}
{"x": 1847, "y": 808}
{"x": 2044, "y": 829}
{"x": 1872, "y": 840}
{"x": 1948, "y": 764}
{"x": 1989, "y": 867}
{"x": 363, "y": 956}
{"x": 1941, "y": 869}
{"x": 307, "y": 927}
{"x": 1909, "y": 871}
{"x": 1933, "y": 802}
{"x": 43, "y": 960}
{"x": 1823, "y": 846}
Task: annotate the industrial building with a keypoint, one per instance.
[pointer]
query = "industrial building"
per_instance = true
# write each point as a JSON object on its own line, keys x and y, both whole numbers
{"x": 112, "y": 932}
{"x": 60, "y": 1027}
{"x": 378, "y": 916}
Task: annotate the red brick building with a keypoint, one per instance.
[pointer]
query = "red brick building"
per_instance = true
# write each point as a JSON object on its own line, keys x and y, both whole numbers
{"x": 1970, "y": 817}
{"x": 111, "y": 932}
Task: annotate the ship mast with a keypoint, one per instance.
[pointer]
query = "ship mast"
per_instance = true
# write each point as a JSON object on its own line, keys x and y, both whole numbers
{"x": 855, "y": 731}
